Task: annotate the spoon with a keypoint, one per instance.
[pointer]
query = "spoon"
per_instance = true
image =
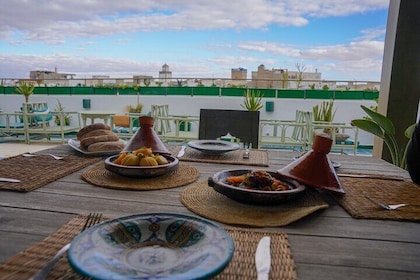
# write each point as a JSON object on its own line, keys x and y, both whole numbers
{"x": 35, "y": 155}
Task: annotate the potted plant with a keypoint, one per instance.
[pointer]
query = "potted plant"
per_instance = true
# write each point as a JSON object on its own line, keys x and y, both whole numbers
{"x": 135, "y": 109}
{"x": 25, "y": 89}
{"x": 253, "y": 100}
{"x": 324, "y": 112}
{"x": 60, "y": 108}
{"x": 381, "y": 126}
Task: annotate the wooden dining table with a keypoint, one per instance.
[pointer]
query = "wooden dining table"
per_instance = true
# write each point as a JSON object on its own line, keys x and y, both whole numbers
{"x": 326, "y": 244}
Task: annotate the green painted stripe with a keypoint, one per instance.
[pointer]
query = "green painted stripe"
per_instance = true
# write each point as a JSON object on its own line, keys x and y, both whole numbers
{"x": 202, "y": 91}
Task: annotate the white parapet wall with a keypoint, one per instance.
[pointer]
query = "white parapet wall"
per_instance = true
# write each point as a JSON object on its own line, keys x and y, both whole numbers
{"x": 284, "y": 109}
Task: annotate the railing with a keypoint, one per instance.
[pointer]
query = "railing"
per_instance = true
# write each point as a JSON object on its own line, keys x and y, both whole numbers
{"x": 201, "y": 91}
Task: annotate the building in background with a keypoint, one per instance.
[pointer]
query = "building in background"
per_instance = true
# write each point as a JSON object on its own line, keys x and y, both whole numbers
{"x": 165, "y": 76}
{"x": 275, "y": 78}
{"x": 283, "y": 78}
{"x": 51, "y": 77}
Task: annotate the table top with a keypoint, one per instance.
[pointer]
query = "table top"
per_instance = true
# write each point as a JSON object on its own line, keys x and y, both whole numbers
{"x": 96, "y": 113}
{"x": 328, "y": 244}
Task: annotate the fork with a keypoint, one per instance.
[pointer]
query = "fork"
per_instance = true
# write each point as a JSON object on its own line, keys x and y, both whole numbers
{"x": 92, "y": 219}
{"x": 247, "y": 147}
{"x": 390, "y": 206}
{"x": 35, "y": 155}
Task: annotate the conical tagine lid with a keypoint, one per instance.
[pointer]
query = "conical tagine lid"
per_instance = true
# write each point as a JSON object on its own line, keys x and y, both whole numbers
{"x": 146, "y": 137}
{"x": 314, "y": 168}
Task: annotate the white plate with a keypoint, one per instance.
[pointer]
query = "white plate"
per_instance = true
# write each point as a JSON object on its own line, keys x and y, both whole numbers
{"x": 75, "y": 144}
{"x": 213, "y": 146}
{"x": 152, "y": 246}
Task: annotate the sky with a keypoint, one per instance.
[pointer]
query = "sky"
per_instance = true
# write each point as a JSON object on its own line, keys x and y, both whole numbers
{"x": 342, "y": 39}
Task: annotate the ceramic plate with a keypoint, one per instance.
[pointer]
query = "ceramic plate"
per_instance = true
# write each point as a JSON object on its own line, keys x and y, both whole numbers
{"x": 75, "y": 144}
{"x": 152, "y": 246}
{"x": 138, "y": 171}
{"x": 213, "y": 146}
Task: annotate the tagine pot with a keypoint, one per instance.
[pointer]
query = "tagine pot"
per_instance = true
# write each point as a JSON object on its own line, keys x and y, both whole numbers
{"x": 146, "y": 136}
{"x": 314, "y": 168}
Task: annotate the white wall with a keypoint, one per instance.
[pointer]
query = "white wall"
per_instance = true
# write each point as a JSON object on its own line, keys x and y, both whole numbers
{"x": 284, "y": 109}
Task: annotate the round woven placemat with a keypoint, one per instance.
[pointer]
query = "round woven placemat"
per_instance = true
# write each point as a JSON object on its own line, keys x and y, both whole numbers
{"x": 99, "y": 176}
{"x": 206, "y": 202}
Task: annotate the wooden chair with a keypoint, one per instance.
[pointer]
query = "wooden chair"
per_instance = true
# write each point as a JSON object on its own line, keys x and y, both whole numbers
{"x": 182, "y": 128}
{"x": 160, "y": 112}
{"x": 345, "y": 137}
{"x": 288, "y": 133}
{"x": 125, "y": 126}
{"x": 45, "y": 126}
{"x": 11, "y": 124}
{"x": 244, "y": 125}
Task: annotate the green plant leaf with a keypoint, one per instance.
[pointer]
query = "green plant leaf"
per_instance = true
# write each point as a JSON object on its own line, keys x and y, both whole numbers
{"x": 253, "y": 100}
{"x": 369, "y": 126}
{"x": 385, "y": 123}
{"x": 410, "y": 130}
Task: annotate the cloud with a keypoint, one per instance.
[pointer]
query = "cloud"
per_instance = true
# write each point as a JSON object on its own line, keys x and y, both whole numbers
{"x": 56, "y": 21}
{"x": 60, "y": 27}
{"x": 359, "y": 58}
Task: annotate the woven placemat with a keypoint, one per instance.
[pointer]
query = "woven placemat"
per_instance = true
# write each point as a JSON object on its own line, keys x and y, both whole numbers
{"x": 205, "y": 201}
{"x": 383, "y": 190}
{"x": 99, "y": 176}
{"x": 35, "y": 172}
{"x": 242, "y": 265}
{"x": 256, "y": 157}
{"x": 27, "y": 263}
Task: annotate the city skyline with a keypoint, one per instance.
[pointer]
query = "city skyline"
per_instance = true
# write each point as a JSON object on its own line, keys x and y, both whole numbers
{"x": 342, "y": 40}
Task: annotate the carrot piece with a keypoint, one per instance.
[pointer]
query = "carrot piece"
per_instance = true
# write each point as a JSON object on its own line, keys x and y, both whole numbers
{"x": 235, "y": 179}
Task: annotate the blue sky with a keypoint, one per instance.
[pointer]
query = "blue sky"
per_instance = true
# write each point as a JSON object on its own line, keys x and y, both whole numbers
{"x": 342, "y": 39}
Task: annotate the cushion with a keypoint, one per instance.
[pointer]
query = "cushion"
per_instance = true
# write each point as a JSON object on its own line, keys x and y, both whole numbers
{"x": 121, "y": 120}
{"x": 45, "y": 111}
{"x": 121, "y": 129}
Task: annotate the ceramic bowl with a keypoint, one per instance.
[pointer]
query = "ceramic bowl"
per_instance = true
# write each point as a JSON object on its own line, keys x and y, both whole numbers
{"x": 252, "y": 196}
{"x": 142, "y": 171}
{"x": 152, "y": 246}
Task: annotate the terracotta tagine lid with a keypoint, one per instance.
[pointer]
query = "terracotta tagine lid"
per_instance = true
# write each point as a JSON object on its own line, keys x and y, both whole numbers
{"x": 146, "y": 136}
{"x": 314, "y": 168}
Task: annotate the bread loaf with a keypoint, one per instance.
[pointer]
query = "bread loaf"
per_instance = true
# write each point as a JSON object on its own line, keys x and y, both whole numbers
{"x": 97, "y": 132}
{"x": 106, "y": 146}
{"x": 85, "y": 142}
{"x": 90, "y": 128}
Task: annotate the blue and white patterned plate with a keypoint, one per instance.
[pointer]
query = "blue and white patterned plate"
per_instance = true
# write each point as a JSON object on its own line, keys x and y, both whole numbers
{"x": 213, "y": 146}
{"x": 152, "y": 246}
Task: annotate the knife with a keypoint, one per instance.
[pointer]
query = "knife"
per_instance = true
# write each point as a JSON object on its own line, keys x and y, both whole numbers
{"x": 9, "y": 180}
{"x": 263, "y": 258}
{"x": 182, "y": 151}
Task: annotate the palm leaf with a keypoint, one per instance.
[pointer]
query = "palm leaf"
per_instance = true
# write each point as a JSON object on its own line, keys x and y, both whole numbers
{"x": 385, "y": 123}
{"x": 369, "y": 126}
